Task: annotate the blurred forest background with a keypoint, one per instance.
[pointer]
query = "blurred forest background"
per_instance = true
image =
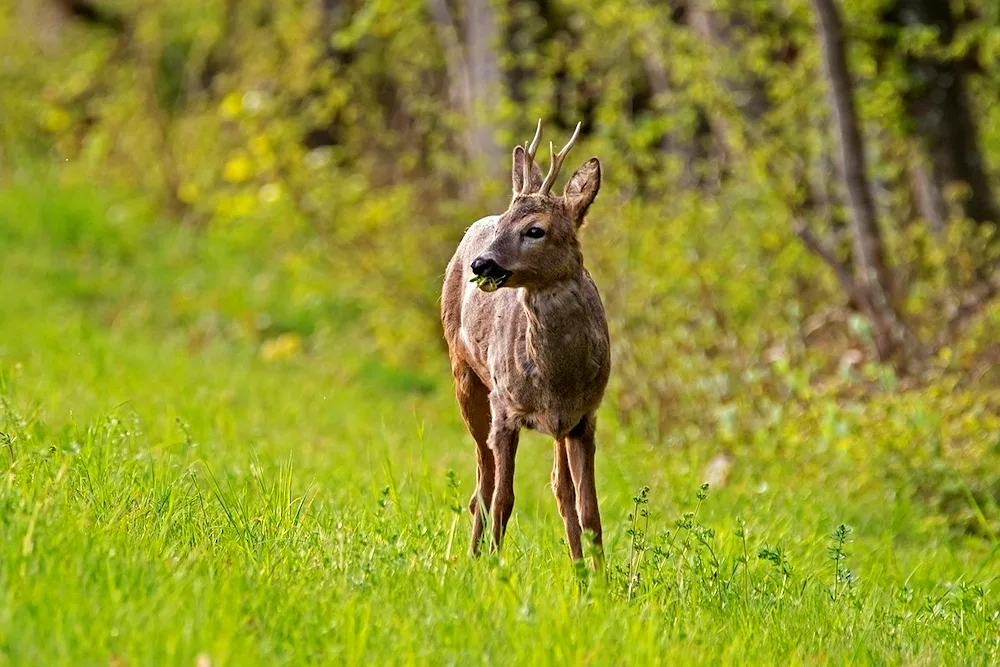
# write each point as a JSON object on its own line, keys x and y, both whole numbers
{"x": 227, "y": 425}
{"x": 800, "y": 195}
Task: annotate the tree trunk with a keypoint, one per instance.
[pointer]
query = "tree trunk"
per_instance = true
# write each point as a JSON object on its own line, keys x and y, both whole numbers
{"x": 473, "y": 74}
{"x": 937, "y": 101}
{"x": 873, "y": 277}
{"x": 482, "y": 39}
{"x": 927, "y": 195}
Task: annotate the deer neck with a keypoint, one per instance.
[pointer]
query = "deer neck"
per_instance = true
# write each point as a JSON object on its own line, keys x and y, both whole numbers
{"x": 557, "y": 322}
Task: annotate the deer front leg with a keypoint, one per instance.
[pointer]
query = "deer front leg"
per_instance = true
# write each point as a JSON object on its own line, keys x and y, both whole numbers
{"x": 503, "y": 444}
{"x": 474, "y": 402}
{"x": 562, "y": 486}
{"x": 581, "y": 448}
{"x": 483, "y": 495}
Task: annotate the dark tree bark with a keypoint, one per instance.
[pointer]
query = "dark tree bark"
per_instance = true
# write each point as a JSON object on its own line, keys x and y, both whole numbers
{"x": 94, "y": 14}
{"x": 937, "y": 102}
{"x": 873, "y": 280}
{"x": 216, "y": 60}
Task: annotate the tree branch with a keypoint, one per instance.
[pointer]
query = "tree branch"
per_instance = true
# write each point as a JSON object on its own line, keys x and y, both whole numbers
{"x": 981, "y": 294}
{"x": 825, "y": 252}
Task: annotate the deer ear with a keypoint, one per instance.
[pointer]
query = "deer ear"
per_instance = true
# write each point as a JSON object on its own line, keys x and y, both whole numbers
{"x": 582, "y": 189}
{"x": 517, "y": 173}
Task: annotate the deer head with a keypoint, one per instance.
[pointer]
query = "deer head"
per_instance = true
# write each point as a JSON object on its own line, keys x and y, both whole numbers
{"x": 535, "y": 245}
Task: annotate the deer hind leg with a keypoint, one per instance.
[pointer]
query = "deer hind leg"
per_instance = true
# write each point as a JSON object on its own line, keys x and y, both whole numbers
{"x": 562, "y": 486}
{"x": 474, "y": 402}
{"x": 580, "y": 450}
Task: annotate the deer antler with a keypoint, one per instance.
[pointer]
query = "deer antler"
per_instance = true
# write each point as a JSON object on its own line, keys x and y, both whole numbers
{"x": 557, "y": 160}
{"x": 529, "y": 158}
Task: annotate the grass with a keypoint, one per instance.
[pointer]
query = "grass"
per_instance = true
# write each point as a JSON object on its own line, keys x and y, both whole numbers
{"x": 175, "y": 489}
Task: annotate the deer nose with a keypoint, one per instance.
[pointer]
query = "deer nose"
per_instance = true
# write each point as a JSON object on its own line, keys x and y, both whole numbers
{"x": 488, "y": 268}
{"x": 479, "y": 265}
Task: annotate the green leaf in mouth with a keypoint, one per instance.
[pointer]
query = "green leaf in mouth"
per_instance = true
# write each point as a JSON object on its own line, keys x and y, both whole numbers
{"x": 485, "y": 283}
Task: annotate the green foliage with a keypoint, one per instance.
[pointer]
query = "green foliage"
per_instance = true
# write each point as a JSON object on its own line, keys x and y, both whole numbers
{"x": 178, "y": 483}
{"x": 224, "y": 232}
{"x": 329, "y": 137}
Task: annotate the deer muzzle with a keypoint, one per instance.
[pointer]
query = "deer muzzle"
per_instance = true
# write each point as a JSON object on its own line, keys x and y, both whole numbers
{"x": 485, "y": 267}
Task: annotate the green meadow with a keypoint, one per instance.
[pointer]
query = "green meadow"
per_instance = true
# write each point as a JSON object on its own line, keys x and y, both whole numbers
{"x": 201, "y": 466}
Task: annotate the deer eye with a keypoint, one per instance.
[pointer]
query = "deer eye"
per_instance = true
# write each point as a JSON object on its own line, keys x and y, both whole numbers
{"x": 535, "y": 232}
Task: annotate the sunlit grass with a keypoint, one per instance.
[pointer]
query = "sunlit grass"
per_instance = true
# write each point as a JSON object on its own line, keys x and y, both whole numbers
{"x": 169, "y": 492}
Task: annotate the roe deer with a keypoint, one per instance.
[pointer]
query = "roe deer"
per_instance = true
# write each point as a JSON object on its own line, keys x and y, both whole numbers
{"x": 529, "y": 343}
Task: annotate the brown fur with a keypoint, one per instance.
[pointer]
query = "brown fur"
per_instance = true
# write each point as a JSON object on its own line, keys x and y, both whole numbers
{"x": 535, "y": 353}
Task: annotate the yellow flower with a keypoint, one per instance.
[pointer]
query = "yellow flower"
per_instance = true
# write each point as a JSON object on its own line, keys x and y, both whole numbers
{"x": 238, "y": 169}
{"x": 231, "y": 106}
{"x": 283, "y": 347}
